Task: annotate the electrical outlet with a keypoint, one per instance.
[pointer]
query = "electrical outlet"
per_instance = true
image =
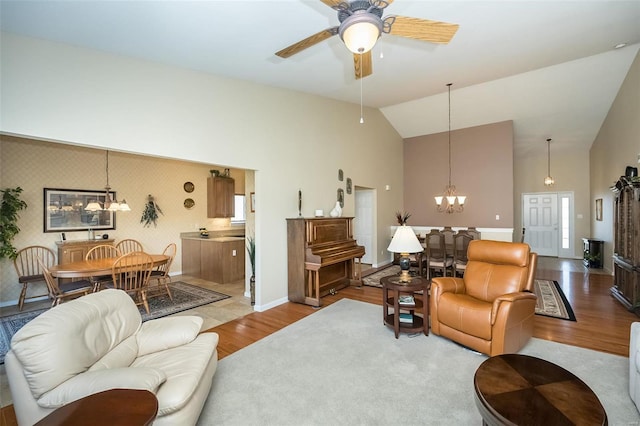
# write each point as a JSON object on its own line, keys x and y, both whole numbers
{"x": 497, "y": 217}
{"x": 233, "y": 253}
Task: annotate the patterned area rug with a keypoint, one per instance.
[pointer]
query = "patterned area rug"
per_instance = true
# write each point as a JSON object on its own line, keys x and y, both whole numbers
{"x": 185, "y": 296}
{"x": 551, "y": 300}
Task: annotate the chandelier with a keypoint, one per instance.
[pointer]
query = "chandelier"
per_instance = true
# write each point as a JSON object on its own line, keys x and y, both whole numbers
{"x": 548, "y": 181}
{"x": 450, "y": 202}
{"x": 108, "y": 204}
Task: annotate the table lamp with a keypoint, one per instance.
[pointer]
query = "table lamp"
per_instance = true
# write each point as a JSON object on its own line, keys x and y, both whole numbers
{"x": 404, "y": 241}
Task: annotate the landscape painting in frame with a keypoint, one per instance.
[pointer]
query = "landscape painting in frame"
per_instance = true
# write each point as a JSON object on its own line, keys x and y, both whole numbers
{"x": 65, "y": 210}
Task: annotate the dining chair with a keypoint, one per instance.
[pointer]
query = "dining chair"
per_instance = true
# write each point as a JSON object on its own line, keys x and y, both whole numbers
{"x": 473, "y": 232}
{"x": 129, "y": 246}
{"x": 102, "y": 251}
{"x": 436, "y": 254}
{"x": 70, "y": 290}
{"x": 161, "y": 273}
{"x": 29, "y": 269}
{"x": 131, "y": 273}
{"x": 448, "y": 233}
{"x": 460, "y": 247}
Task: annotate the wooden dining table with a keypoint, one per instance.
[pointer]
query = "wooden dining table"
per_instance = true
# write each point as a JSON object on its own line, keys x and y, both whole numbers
{"x": 95, "y": 267}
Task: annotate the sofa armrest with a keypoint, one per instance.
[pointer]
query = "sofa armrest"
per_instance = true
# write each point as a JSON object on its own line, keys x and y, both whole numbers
{"x": 509, "y": 298}
{"x": 91, "y": 382}
{"x": 165, "y": 333}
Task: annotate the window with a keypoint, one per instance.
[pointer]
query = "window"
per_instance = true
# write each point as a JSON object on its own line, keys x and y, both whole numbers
{"x": 240, "y": 208}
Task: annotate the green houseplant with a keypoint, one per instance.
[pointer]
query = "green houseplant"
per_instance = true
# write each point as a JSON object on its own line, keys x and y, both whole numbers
{"x": 11, "y": 205}
{"x": 251, "y": 251}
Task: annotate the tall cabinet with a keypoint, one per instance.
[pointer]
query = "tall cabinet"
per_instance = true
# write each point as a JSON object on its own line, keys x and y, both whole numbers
{"x": 626, "y": 251}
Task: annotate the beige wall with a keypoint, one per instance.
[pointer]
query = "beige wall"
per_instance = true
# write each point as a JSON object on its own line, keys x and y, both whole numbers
{"x": 34, "y": 165}
{"x": 616, "y": 147}
{"x": 482, "y": 169}
{"x": 292, "y": 140}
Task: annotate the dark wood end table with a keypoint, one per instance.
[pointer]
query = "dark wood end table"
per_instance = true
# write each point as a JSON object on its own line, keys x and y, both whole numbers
{"x": 514, "y": 389}
{"x": 122, "y": 407}
{"x": 392, "y": 289}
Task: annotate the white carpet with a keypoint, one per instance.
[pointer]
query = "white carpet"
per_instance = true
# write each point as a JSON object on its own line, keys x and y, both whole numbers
{"x": 342, "y": 366}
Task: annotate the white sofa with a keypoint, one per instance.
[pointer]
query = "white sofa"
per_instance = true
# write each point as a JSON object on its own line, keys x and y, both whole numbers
{"x": 99, "y": 342}
{"x": 634, "y": 364}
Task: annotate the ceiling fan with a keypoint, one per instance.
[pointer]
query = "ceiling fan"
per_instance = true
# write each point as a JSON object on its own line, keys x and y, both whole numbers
{"x": 361, "y": 24}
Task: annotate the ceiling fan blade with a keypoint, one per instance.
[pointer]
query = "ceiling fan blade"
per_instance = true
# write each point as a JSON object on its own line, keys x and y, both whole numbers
{"x": 362, "y": 64}
{"x": 332, "y": 3}
{"x": 307, "y": 42}
{"x": 423, "y": 29}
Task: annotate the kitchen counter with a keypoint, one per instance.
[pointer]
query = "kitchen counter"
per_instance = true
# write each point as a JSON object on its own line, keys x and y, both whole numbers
{"x": 216, "y": 258}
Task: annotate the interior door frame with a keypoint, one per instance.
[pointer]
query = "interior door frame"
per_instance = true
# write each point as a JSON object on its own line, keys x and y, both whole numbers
{"x": 372, "y": 251}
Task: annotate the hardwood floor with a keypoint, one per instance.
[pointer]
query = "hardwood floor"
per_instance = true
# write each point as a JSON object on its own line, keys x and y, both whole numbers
{"x": 602, "y": 324}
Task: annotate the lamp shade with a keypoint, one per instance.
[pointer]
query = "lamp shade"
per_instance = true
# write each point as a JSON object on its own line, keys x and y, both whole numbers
{"x": 360, "y": 32}
{"x": 405, "y": 241}
{"x": 93, "y": 206}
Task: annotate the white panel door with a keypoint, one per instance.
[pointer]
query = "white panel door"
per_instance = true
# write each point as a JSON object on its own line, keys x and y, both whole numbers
{"x": 540, "y": 220}
{"x": 363, "y": 230}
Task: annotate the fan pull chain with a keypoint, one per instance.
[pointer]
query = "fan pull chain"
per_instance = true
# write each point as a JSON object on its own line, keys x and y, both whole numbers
{"x": 361, "y": 78}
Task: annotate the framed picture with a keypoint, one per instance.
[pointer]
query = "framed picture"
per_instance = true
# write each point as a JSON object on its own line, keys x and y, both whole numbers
{"x": 349, "y": 186}
{"x": 65, "y": 210}
{"x": 252, "y": 197}
{"x": 599, "y": 209}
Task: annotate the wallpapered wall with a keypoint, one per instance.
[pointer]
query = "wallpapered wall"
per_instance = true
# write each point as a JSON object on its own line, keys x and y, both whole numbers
{"x": 35, "y": 165}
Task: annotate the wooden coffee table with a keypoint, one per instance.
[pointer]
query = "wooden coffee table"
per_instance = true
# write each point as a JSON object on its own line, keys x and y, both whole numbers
{"x": 122, "y": 407}
{"x": 514, "y": 389}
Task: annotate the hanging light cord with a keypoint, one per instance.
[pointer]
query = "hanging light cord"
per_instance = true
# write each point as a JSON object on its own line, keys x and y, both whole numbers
{"x": 107, "y": 169}
{"x": 548, "y": 157}
{"x": 449, "y": 85}
{"x": 361, "y": 78}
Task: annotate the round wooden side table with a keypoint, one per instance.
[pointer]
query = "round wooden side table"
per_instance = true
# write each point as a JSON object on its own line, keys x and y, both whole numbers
{"x": 122, "y": 407}
{"x": 417, "y": 314}
{"x": 514, "y": 389}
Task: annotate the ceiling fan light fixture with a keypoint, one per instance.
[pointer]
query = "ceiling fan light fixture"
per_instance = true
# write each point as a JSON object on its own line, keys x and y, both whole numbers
{"x": 360, "y": 31}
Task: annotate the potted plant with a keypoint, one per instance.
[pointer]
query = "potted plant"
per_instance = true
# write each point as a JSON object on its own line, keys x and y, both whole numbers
{"x": 11, "y": 205}
{"x": 251, "y": 251}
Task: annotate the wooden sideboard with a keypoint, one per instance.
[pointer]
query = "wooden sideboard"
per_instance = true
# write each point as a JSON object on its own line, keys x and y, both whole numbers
{"x": 76, "y": 250}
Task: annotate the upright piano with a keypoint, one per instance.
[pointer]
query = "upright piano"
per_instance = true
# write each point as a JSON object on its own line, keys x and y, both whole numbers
{"x": 323, "y": 257}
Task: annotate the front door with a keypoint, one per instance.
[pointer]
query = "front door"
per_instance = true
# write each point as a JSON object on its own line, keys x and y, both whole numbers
{"x": 540, "y": 220}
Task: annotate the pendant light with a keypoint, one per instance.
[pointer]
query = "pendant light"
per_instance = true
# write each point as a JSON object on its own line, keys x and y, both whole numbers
{"x": 450, "y": 202}
{"x": 548, "y": 181}
{"x": 108, "y": 204}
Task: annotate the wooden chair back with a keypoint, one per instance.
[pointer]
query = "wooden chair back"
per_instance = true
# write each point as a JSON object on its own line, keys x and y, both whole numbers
{"x": 460, "y": 247}
{"x": 103, "y": 251}
{"x": 434, "y": 243}
{"x": 448, "y": 240}
{"x": 71, "y": 290}
{"x": 29, "y": 269}
{"x": 131, "y": 273}
{"x": 27, "y": 264}
{"x": 129, "y": 246}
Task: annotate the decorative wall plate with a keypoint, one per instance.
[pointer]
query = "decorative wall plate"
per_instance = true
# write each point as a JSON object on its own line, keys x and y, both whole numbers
{"x": 188, "y": 187}
{"x": 189, "y": 203}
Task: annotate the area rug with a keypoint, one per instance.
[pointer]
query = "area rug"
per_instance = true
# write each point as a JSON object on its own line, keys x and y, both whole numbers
{"x": 342, "y": 366}
{"x": 185, "y": 296}
{"x": 551, "y": 299}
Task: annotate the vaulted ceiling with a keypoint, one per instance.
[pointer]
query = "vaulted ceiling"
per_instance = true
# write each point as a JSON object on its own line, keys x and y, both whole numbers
{"x": 550, "y": 66}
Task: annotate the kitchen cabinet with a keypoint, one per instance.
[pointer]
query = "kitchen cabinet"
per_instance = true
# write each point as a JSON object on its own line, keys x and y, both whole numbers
{"x": 220, "y": 259}
{"x": 220, "y": 197}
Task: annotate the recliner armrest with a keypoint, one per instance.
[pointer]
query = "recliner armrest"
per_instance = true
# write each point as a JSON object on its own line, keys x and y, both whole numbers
{"x": 165, "y": 333}
{"x": 449, "y": 284}
{"x": 509, "y": 298}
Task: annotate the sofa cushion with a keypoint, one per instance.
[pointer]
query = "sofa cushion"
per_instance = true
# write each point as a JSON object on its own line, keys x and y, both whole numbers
{"x": 182, "y": 377}
{"x": 97, "y": 381}
{"x": 70, "y": 338}
{"x": 166, "y": 333}
{"x": 120, "y": 356}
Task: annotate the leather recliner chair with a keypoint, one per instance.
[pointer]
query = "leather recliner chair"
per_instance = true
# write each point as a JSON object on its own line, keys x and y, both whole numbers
{"x": 490, "y": 309}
